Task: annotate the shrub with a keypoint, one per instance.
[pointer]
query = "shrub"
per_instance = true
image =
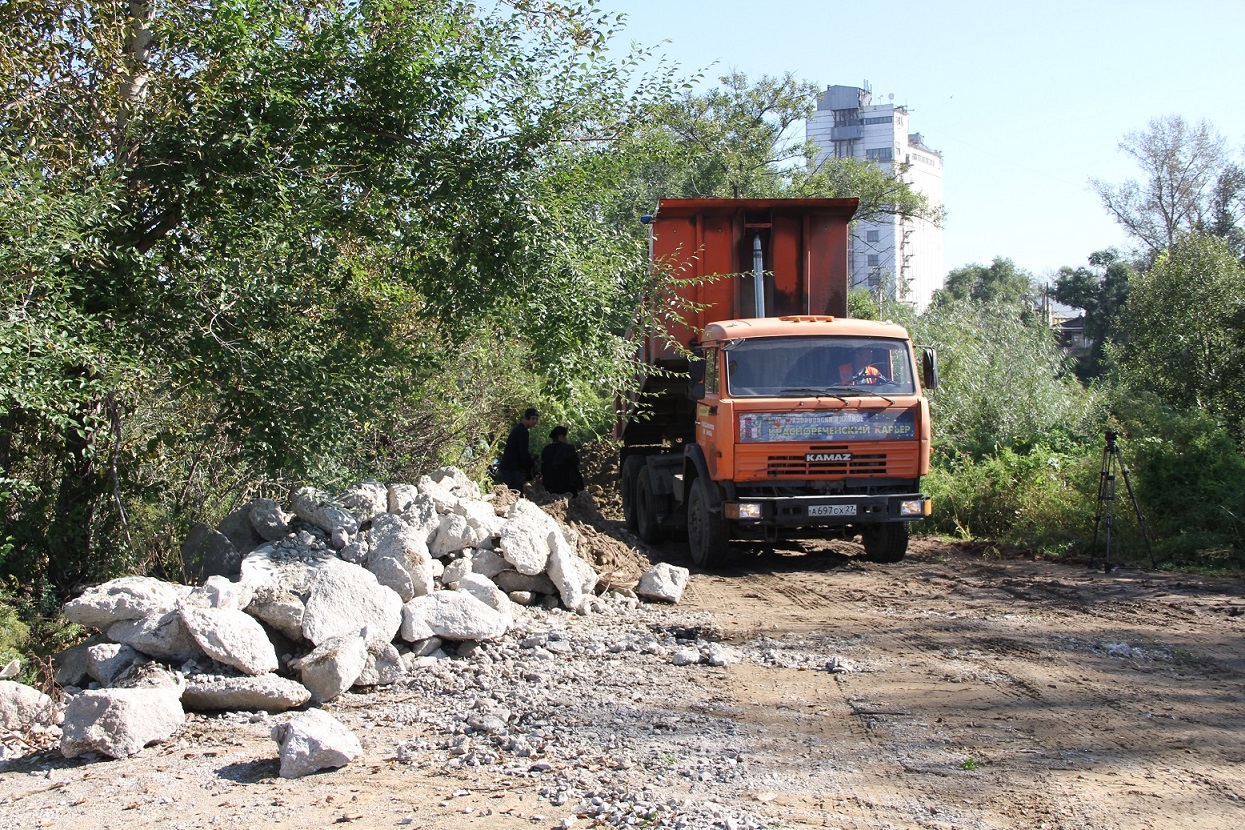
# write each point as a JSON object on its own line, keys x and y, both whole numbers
{"x": 1189, "y": 476}
{"x": 1038, "y": 498}
{"x": 14, "y": 634}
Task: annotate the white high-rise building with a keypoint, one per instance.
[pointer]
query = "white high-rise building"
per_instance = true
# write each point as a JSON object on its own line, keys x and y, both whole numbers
{"x": 893, "y": 256}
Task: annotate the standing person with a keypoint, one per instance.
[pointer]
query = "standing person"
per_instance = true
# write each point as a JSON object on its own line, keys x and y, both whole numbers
{"x": 517, "y": 464}
{"x": 559, "y": 465}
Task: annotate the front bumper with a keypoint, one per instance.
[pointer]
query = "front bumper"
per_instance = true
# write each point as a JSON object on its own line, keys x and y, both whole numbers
{"x": 828, "y": 511}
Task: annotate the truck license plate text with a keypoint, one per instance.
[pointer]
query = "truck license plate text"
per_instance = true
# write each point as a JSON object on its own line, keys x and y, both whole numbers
{"x": 832, "y": 510}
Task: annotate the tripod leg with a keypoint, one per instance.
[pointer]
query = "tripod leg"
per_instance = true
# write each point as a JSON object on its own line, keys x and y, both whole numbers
{"x": 1141, "y": 519}
{"x": 1102, "y": 482}
{"x": 1108, "y": 478}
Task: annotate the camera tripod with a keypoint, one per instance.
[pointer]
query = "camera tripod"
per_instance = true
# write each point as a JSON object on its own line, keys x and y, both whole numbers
{"x": 1105, "y": 506}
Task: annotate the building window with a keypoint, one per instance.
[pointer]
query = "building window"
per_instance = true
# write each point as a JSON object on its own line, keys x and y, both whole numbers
{"x": 886, "y": 120}
{"x": 873, "y": 260}
{"x": 882, "y": 154}
{"x": 871, "y": 236}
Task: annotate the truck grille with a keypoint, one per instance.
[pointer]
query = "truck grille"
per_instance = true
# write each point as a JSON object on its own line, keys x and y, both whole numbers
{"x": 890, "y": 459}
{"x": 795, "y": 466}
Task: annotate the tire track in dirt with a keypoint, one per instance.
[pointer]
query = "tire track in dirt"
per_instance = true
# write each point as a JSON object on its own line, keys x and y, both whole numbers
{"x": 1007, "y": 693}
{"x": 843, "y": 767}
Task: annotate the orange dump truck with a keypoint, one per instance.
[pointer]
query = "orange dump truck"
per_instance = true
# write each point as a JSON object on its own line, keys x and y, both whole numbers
{"x": 777, "y": 414}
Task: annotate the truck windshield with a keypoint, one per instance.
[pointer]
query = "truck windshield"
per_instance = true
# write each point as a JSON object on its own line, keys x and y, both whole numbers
{"x": 800, "y": 367}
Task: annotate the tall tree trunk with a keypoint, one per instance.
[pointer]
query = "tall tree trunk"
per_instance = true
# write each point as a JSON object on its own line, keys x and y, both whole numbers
{"x": 134, "y": 85}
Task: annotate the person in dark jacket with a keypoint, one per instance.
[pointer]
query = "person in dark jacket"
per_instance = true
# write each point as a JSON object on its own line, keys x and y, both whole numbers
{"x": 559, "y": 465}
{"x": 517, "y": 464}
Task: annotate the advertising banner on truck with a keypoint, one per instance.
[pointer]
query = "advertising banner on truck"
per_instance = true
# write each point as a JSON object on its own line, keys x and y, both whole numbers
{"x": 840, "y": 425}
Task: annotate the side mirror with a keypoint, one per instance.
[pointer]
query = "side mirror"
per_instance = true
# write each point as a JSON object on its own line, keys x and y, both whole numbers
{"x": 929, "y": 368}
{"x": 696, "y": 365}
{"x": 696, "y": 390}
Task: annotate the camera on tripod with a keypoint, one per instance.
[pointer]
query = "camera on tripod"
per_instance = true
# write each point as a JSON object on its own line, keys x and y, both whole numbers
{"x": 1105, "y": 506}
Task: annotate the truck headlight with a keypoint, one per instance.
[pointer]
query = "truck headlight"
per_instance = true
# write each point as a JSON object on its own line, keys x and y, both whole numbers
{"x": 916, "y": 507}
{"x": 743, "y": 510}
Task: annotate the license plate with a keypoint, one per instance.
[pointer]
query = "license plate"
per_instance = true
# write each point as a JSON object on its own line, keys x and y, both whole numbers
{"x": 832, "y": 510}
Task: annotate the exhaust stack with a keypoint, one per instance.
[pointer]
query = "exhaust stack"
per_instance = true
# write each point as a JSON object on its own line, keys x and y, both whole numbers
{"x": 758, "y": 275}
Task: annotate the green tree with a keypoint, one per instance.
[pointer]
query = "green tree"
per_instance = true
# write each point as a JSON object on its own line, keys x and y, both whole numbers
{"x": 738, "y": 139}
{"x": 1180, "y": 163}
{"x": 1100, "y": 291}
{"x": 1228, "y": 208}
{"x": 1000, "y": 281}
{"x": 1182, "y": 329}
{"x": 862, "y": 305}
{"x": 268, "y": 232}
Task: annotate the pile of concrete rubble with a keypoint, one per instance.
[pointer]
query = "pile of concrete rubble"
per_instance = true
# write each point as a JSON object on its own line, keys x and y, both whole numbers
{"x": 297, "y": 607}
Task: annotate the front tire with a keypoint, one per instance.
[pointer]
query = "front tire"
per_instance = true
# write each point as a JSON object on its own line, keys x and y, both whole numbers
{"x": 707, "y": 532}
{"x": 647, "y": 527}
{"x": 886, "y": 543}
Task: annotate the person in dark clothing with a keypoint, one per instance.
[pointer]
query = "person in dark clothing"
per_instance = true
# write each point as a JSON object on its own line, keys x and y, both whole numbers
{"x": 559, "y": 465}
{"x": 517, "y": 464}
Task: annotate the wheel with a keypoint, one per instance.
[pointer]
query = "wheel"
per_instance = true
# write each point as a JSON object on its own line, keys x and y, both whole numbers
{"x": 885, "y": 542}
{"x": 647, "y": 527}
{"x": 707, "y": 532}
{"x": 630, "y": 473}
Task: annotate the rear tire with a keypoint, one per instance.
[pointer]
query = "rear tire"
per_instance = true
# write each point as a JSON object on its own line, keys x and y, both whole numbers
{"x": 647, "y": 527}
{"x": 885, "y": 542}
{"x": 631, "y": 469}
{"x": 707, "y": 532}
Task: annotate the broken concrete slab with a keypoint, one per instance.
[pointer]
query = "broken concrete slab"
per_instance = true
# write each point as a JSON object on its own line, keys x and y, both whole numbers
{"x": 312, "y": 741}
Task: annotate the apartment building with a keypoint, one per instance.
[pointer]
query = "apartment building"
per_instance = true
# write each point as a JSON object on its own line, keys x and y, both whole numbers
{"x": 892, "y": 256}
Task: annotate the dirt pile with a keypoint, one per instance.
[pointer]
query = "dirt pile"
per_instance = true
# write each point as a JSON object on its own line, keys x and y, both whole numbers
{"x": 599, "y": 462}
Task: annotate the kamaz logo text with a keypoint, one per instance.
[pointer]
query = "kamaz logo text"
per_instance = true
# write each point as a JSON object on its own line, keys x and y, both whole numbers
{"x": 827, "y": 456}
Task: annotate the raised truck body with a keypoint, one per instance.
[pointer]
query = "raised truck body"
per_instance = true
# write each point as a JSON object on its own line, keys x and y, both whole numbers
{"x": 794, "y": 421}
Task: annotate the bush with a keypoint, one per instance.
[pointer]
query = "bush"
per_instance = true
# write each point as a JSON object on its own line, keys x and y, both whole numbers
{"x": 1038, "y": 498}
{"x": 17, "y": 641}
{"x": 1186, "y": 471}
{"x": 14, "y": 634}
{"x": 1189, "y": 476}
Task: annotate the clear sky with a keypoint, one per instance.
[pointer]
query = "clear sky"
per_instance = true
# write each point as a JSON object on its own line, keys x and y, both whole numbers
{"x": 1026, "y": 101}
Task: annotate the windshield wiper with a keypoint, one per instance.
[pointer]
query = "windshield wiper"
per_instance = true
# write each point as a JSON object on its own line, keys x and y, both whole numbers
{"x": 839, "y": 392}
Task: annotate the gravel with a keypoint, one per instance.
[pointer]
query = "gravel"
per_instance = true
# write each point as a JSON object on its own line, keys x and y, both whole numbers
{"x": 583, "y": 705}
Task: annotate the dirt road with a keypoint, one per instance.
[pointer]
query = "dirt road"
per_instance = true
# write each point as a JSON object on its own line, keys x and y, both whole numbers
{"x": 991, "y": 692}
{"x": 953, "y": 690}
